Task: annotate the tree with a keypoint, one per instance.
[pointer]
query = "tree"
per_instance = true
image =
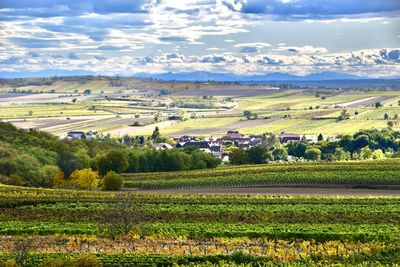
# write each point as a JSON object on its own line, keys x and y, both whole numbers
{"x": 74, "y": 100}
{"x": 320, "y": 137}
{"x": 280, "y": 153}
{"x": 156, "y": 134}
{"x": 114, "y": 160}
{"x": 386, "y": 116}
{"x": 239, "y": 156}
{"x": 366, "y": 153}
{"x": 341, "y": 154}
{"x": 257, "y": 155}
{"x": 87, "y": 92}
{"x": 377, "y": 104}
{"x": 248, "y": 114}
{"x": 344, "y": 115}
{"x": 58, "y": 180}
{"x": 390, "y": 124}
{"x": 68, "y": 163}
{"x": 378, "y": 154}
{"x": 361, "y": 141}
{"x": 296, "y": 149}
{"x": 312, "y": 153}
{"x": 270, "y": 141}
{"x": 112, "y": 182}
{"x": 47, "y": 174}
{"x": 85, "y": 179}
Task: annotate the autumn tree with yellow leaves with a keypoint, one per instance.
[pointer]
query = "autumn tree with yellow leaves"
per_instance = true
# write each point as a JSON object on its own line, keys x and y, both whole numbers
{"x": 85, "y": 179}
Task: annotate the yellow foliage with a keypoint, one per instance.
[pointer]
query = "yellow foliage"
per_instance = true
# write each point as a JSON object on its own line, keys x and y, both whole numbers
{"x": 58, "y": 180}
{"x": 85, "y": 179}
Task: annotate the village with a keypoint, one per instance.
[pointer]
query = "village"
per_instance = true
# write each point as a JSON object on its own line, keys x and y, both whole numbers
{"x": 219, "y": 147}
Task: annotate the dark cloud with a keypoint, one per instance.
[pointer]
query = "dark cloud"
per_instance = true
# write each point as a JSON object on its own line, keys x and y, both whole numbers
{"x": 99, "y": 57}
{"x": 49, "y": 8}
{"x": 112, "y": 47}
{"x": 213, "y": 59}
{"x": 172, "y": 39}
{"x": 34, "y": 54}
{"x": 73, "y": 55}
{"x": 35, "y": 42}
{"x": 248, "y": 49}
{"x": 317, "y": 9}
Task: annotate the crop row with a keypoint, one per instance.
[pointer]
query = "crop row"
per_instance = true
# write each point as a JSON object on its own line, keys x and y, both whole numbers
{"x": 11, "y": 196}
{"x": 320, "y": 232}
{"x": 377, "y": 258}
{"x": 303, "y": 178}
{"x": 383, "y": 165}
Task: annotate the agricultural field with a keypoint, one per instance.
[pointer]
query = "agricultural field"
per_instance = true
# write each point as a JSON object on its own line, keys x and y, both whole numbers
{"x": 130, "y": 229}
{"x": 361, "y": 174}
{"x": 207, "y": 109}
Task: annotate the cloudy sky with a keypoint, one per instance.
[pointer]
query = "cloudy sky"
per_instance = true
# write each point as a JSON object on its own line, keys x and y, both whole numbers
{"x": 125, "y": 37}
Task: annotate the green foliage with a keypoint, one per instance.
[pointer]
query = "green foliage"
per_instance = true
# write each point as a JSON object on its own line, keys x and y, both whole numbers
{"x": 366, "y": 153}
{"x": 280, "y": 153}
{"x": 312, "y": 153}
{"x": 239, "y": 157}
{"x": 358, "y": 174}
{"x": 115, "y": 160}
{"x": 257, "y": 155}
{"x": 112, "y": 182}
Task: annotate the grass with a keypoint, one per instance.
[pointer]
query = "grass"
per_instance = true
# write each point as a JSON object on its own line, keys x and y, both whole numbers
{"x": 47, "y": 110}
{"x": 278, "y": 126}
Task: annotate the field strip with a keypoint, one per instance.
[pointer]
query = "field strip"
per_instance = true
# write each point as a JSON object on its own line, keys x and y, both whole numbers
{"x": 280, "y": 191}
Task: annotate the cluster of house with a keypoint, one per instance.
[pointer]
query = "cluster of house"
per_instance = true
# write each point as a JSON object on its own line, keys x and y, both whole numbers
{"x": 78, "y": 135}
{"x": 213, "y": 146}
{"x": 217, "y": 146}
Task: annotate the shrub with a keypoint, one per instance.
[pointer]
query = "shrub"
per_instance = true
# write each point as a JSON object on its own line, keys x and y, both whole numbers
{"x": 112, "y": 182}
{"x": 85, "y": 179}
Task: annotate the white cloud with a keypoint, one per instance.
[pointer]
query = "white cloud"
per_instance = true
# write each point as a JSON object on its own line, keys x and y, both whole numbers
{"x": 257, "y": 45}
{"x": 370, "y": 62}
{"x": 307, "y": 49}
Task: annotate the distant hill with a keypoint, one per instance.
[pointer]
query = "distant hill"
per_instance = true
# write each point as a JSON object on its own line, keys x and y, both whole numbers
{"x": 202, "y": 76}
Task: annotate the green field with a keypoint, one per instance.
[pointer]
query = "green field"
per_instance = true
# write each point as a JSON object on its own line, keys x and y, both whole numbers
{"x": 126, "y": 229}
{"x": 343, "y": 174}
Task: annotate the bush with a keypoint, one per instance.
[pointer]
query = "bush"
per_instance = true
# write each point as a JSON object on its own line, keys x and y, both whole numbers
{"x": 112, "y": 182}
{"x": 85, "y": 179}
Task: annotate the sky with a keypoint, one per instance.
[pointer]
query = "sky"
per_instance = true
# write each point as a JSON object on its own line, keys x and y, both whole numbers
{"x": 245, "y": 37}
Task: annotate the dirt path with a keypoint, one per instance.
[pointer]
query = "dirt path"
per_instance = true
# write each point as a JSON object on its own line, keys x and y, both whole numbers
{"x": 280, "y": 191}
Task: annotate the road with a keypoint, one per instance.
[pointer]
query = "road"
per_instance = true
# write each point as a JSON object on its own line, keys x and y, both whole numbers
{"x": 281, "y": 191}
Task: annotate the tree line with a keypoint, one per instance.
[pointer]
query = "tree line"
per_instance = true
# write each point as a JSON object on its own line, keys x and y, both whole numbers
{"x": 36, "y": 158}
{"x": 363, "y": 145}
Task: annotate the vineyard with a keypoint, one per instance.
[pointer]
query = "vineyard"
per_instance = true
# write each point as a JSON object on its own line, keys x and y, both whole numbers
{"x": 367, "y": 174}
{"x": 131, "y": 229}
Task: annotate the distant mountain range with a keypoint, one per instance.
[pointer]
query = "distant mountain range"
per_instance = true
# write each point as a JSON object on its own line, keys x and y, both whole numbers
{"x": 43, "y": 73}
{"x": 203, "y": 76}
